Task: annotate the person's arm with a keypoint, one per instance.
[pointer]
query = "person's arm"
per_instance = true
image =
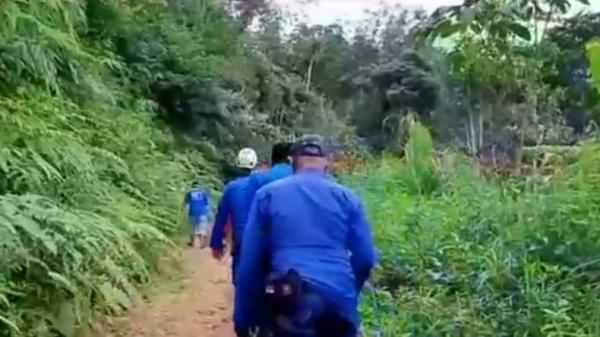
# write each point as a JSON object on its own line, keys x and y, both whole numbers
{"x": 229, "y": 235}
{"x": 360, "y": 243}
{"x": 253, "y": 185}
{"x": 218, "y": 231}
{"x": 251, "y": 272}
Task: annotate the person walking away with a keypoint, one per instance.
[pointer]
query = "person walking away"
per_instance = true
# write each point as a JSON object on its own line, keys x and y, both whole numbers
{"x": 232, "y": 172}
{"x": 281, "y": 167}
{"x": 239, "y": 200}
{"x": 315, "y": 233}
{"x": 197, "y": 201}
{"x": 233, "y": 208}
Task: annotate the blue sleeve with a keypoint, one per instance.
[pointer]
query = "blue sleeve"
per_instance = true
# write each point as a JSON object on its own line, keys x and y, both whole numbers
{"x": 254, "y": 183}
{"x": 253, "y": 267}
{"x": 360, "y": 244}
{"x": 218, "y": 232}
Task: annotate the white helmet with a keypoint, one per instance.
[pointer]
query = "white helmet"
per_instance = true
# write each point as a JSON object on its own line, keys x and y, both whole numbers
{"x": 246, "y": 158}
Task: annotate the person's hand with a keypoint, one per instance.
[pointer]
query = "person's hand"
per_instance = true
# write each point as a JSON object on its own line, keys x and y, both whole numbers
{"x": 218, "y": 254}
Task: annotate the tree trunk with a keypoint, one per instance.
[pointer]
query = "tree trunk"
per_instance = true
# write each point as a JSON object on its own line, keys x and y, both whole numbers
{"x": 471, "y": 135}
{"x": 480, "y": 131}
{"x": 309, "y": 72}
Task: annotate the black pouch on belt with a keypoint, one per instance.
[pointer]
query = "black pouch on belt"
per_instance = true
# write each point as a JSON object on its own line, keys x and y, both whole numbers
{"x": 282, "y": 292}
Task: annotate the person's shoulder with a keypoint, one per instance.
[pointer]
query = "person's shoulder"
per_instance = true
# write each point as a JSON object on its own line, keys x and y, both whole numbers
{"x": 229, "y": 184}
{"x": 258, "y": 177}
{"x": 244, "y": 181}
{"x": 235, "y": 183}
{"x": 343, "y": 191}
{"x": 277, "y": 185}
{"x": 282, "y": 169}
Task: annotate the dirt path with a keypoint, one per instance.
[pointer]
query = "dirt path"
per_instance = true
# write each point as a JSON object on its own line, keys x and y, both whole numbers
{"x": 200, "y": 308}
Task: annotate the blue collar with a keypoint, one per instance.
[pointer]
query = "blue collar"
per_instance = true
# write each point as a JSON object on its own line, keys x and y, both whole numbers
{"x": 280, "y": 165}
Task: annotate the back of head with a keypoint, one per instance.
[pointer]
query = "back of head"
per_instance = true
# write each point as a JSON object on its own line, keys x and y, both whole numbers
{"x": 310, "y": 152}
{"x": 281, "y": 153}
{"x": 244, "y": 163}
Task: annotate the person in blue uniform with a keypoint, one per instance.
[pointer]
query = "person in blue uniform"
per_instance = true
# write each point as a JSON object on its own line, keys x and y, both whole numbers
{"x": 236, "y": 202}
{"x": 311, "y": 227}
{"x": 281, "y": 167}
{"x": 197, "y": 201}
{"x": 232, "y": 210}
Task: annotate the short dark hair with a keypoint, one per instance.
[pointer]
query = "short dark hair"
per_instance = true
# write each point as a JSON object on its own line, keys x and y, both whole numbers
{"x": 280, "y": 153}
{"x": 232, "y": 172}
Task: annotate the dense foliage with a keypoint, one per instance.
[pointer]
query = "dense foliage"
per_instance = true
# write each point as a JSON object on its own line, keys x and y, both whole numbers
{"x": 473, "y": 73}
{"x": 467, "y": 256}
{"x": 90, "y": 181}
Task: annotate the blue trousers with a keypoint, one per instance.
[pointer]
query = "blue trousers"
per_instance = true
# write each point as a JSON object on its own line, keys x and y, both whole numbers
{"x": 235, "y": 262}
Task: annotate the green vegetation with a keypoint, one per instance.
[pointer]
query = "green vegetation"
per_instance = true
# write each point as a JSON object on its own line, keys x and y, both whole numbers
{"x": 473, "y": 257}
{"x": 109, "y": 109}
{"x": 89, "y": 181}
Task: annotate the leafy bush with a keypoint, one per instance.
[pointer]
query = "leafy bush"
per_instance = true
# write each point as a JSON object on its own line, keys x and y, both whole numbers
{"x": 89, "y": 199}
{"x": 90, "y": 182}
{"x": 479, "y": 258}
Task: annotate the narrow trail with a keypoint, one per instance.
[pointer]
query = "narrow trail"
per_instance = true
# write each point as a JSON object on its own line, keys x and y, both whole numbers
{"x": 200, "y": 308}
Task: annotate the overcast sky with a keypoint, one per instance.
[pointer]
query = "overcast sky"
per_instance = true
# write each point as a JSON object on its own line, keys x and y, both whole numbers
{"x": 332, "y": 11}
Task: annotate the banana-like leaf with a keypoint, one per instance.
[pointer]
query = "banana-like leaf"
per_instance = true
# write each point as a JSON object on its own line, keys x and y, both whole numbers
{"x": 593, "y": 54}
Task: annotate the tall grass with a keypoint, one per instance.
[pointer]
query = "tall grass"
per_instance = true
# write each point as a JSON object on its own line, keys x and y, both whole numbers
{"x": 89, "y": 199}
{"x": 477, "y": 258}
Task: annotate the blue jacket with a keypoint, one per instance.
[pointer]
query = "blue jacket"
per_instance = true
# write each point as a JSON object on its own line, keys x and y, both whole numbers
{"x": 198, "y": 202}
{"x": 259, "y": 180}
{"x": 234, "y": 203}
{"x": 312, "y": 224}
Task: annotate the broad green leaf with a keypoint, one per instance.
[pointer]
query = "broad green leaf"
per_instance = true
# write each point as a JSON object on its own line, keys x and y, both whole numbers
{"x": 521, "y": 31}
{"x": 4, "y": 301}
{"x": 62, "y": 281}
{"x": 33, "y": 229}
{"x": 593, "y": 54}
{"x": 10, "y": 324}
